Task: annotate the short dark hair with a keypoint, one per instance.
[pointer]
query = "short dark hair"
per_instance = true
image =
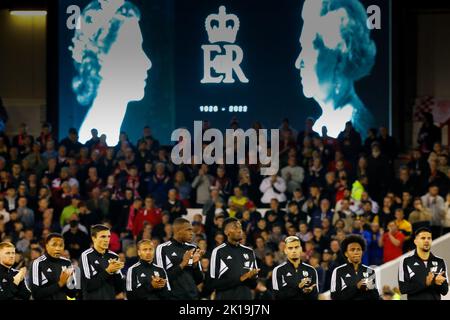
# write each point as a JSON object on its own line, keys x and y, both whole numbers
{"x": 228, "y": 221}
{"x": 52, "y": 236}
{"x": 353, "y": 238}
{"x": 180, "y": 221}
{"x": 95, "y": 229}
{"x": 420, "y": 230}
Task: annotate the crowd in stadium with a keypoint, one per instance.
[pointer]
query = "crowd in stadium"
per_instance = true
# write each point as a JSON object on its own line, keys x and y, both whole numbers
{"x": 326, "y": 189}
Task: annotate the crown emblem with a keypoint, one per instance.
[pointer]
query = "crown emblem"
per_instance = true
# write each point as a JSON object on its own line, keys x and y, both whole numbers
{"x": 222, "y": 27}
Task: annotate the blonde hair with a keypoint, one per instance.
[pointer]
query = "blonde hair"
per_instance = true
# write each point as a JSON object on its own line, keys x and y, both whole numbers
{"x": 6, "y": 245}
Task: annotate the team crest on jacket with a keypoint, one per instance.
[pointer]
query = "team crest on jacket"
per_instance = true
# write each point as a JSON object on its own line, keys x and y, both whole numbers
{"x": 246, "y": 256}
{"x": 365, "y": 274}
{"x": 305, "y": 273}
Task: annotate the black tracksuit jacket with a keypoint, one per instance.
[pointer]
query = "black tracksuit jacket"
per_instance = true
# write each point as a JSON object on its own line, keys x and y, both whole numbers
{"x": 8, "y": 289}
{"x": 138, "y": 282}
{"x": 412, "y": 276}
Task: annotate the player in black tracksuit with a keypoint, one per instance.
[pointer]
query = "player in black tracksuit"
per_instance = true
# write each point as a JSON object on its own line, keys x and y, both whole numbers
{"x": 181, "y": 261}
{"x": 422, "y": 275}
{"x": 233, "y": 269}
{"x": 145, "y": 280}
{"x": 51, "y": 276}
{"x": 353, "y": 280}
{"x": 101, "y": 278}
{"x": 294, "y": 279}
{"x": 12, "y": 281}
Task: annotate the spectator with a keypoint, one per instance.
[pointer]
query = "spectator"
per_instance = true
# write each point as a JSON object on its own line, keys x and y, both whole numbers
{"x": 392, "y": 242}
{"x": 69, "y": 211}
{"x": 202, "y": 183}
{"x": 273, "y": 187}
{"x": 420, "y": 216}
{"x": 445, "y": 220}
{"x": 237, "y": 202}
{"x": 160, "y": 185}
{"x": 25, "y": 214}
{"x": 222, "y": 183}
{"x": 373, "y": 239}
{"x": 324, "y": 212}
{"x": 75, "y": 240}
{"x": 174, "y": 206}
{"x": 150, "y": 213}
{"x": 435, "y": 203}
{"x": 71, "y": 143}
{"x": 403, "y": 225}
{"x": 429, "y": 133}
{"x": 293, "y": 175}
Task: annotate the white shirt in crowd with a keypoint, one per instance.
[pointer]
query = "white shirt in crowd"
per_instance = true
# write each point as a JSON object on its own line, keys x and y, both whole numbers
{"x": 270, "y": 193}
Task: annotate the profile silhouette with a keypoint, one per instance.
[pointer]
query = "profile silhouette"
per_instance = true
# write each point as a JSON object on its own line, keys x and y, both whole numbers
{"x": 111, "y": 65}
{"x": 336, "y": 51}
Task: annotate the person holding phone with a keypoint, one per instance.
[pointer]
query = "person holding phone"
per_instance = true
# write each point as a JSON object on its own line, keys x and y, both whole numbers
{"x": 353, "y": 280}
{"x": 51, "y": 276}
{"x": 294, "y": 279}
{"x": 101, "y": 276}
{"x": 422, "y": 275}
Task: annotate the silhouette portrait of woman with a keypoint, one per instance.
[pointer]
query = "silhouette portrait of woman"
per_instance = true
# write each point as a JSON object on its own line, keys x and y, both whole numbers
{"x": 111, "y": 65}
{"x": 336, "y": 51}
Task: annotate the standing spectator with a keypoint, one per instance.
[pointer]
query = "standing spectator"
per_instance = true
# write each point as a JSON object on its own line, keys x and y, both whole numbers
{"x": 75, "y": 240}
{"x": 273, "y": 187}
{"x": 202, "y": 183}
{"x": 71, "y": 142}
{"x": 435, "y": 203}
{"x": 378, "y": 173}
{"x": 69, "y": 211}
{"x": 324, "y": 212}
{"x": 429, "y": 133}
{"x": 293, "y": 174}
{"x": 222, "y": 183}
{"x": 392, "y": 242}
{"x": 160, "y": 184}
{"x": 373, "y": 239}
{"x": 150, "y": 213}
{"x": 350, "y": 142}
{"x": 388, "y": 145}
{"x": 446, "y": 219}
{"x": 174, "y": 206}
{"x": 25, "y": 214}
{"x": 183, "y": 187}
{"x": 237, "y": 202}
